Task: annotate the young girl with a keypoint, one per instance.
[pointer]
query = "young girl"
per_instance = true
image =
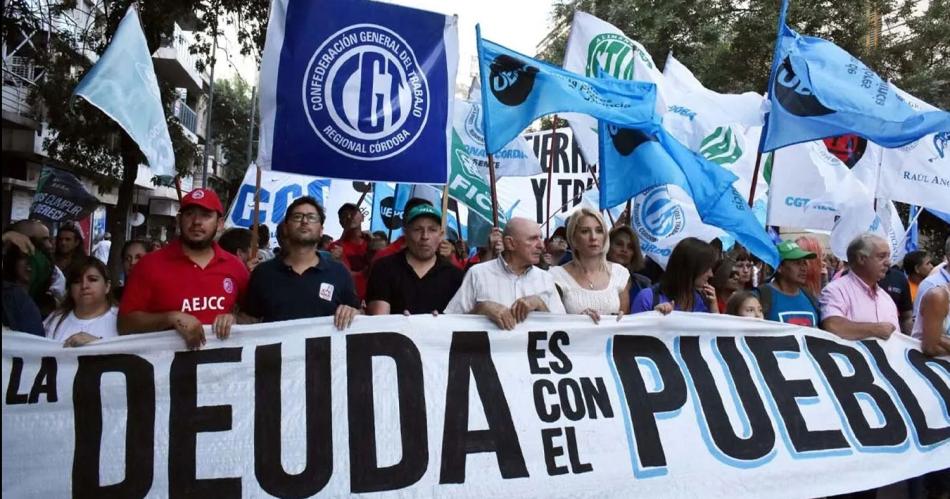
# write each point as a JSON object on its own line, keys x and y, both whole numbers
{"x": 88, "y": 313}
{"x": 744, "y": 304}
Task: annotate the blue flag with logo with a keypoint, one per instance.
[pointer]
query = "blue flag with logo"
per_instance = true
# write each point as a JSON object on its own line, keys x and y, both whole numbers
{"x": 818, "y": 90}
{"x": 358, "y": 90}
{"x": 517, "y": 89}
{"x": 633, "y": 161}
{"x": 123, "y": 85}
{"x": 389, "y": 203}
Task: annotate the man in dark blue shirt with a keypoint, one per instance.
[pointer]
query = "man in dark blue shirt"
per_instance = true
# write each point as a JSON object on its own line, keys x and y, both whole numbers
{"x": 302, "y": 282}
{"x": 785, "y": 299}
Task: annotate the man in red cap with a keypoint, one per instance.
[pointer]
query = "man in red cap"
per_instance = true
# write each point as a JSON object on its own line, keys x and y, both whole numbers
{"x": 189, "y": 283}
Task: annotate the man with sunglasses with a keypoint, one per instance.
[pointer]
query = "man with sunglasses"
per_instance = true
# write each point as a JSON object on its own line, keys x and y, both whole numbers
{"x": 302, "y": 282}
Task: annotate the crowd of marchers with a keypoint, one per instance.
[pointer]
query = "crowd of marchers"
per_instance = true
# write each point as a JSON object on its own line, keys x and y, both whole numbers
{"x": 216, "y": 277}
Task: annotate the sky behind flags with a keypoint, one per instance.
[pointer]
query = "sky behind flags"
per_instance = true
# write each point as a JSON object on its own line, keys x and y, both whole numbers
{"x": 365, "y": 93}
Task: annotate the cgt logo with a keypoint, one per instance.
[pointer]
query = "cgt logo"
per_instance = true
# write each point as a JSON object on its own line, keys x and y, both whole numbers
{"x": 365, "y": 94}
{"x": 796, "y": 202}
{"x": 657, "y": 215}
{"x": 510, "y": 80}
{"x": 792, "y": 93}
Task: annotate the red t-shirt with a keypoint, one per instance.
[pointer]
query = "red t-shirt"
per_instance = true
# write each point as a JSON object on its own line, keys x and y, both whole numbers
{"x": 167, "y": 280}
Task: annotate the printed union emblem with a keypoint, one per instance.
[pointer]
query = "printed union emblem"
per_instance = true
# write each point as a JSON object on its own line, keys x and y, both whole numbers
{"x": 657, "y": 215}
{"x": 228, "y": 285}
{"x": 199, "y": 194}
{"x": 473, "y": 123}
{"x": 615, "y": 55}
{"x": 365, "y": 94}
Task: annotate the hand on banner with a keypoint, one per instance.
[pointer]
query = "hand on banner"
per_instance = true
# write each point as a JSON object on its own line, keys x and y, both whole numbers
{"x": 79, "y": 339}
{"x": 589, "y": 312}
{"x": 522, "y": 306}
{"x": 344, "y": 316}
{"x": 497, "y": 313}
{"x": 882, "y": 330}
{"x": 222, "y": 326}
{"x": 189, "y": 328}
{"x": 20, "y": 241}
{"x": 665, "y": 308}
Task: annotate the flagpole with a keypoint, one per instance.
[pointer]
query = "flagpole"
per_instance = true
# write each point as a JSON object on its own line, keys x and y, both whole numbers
{"x": 458, "y": 221}
{"x": 910, "y": 227}
{"x": 565, "y": 205}
{"x": 755, "y": 172}
{"x": 551, "y": 154}
{"x": 494, "y": 191}
{"x": 445, "y": 206}
{"x": 257, "y": 217}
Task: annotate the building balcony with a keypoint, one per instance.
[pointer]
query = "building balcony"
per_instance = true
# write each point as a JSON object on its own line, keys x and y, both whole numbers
{"x": 176, "y": 64}
{"x": 188, "y": 119}
{"x": 18, "y": 77}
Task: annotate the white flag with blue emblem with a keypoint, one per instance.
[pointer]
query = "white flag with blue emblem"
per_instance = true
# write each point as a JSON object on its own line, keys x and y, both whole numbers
{"x": 358, "y": 90}
{"x": 123, "y": 85}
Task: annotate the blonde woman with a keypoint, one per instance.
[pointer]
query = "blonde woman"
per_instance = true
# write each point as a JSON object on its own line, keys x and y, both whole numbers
{"x": 589, "y": 284}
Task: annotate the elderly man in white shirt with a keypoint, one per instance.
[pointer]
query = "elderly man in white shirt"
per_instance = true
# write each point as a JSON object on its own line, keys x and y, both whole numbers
{"x": 509, "y": 287}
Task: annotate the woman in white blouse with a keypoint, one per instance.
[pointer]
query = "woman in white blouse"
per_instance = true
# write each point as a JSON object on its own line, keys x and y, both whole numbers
{"x": 589, "y": 284}
{"x": 88, "y": 313}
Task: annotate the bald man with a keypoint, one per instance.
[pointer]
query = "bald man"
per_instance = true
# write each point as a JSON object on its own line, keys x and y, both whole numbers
{"x": 510, "y": 287}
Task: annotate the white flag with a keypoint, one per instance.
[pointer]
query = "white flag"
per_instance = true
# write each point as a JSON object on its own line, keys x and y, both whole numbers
{"x": 918, "y": 173}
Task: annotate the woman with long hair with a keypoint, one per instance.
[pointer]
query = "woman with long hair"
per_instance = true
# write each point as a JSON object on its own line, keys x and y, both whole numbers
{"x": 685, "y": 284}
{"x": 816, "y": 275}
{"x": 625, "y": 250}
{"x": 726, "y": 281}
{"x": 88, "y": 313}
{"x": 132, "y": 251}
{"x": 589, "y": 284}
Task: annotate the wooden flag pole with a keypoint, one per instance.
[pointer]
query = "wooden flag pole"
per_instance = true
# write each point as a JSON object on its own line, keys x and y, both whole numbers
{"x": 552, "y": 152}
{"x": 257, "y": 215}
{"x": 445, "y": 207}
{"x": 494, "y": 191}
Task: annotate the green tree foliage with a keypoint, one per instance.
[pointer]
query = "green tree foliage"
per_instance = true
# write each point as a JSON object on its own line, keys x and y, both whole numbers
{"x": 82, "y": 137}
{"x": 232, "y": 117}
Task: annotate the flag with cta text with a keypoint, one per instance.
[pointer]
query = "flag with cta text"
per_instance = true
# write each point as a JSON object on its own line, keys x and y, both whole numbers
{"x": 517, "y": 90}
{"x": 365, "y": 93}
{"x": 123, "y": 85}
{"x": 819, "y": 90}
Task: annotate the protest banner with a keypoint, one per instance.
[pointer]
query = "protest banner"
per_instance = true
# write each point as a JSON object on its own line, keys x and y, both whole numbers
{"x": 60, "y": 197}
{"x": 278, "y": 190}
{"x": 683, "y": 405}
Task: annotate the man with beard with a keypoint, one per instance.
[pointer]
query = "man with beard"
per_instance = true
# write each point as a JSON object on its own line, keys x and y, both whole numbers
{"x": 416, "y": 280}
{"x": 785, "y": 299}
{"x": 302, "y": 282}
{"x": 510, "y": 287}
{"x": 189, "y": 283}
{"x": 853, "y": 306}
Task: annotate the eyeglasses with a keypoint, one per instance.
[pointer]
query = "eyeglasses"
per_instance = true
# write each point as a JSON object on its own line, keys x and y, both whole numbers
{"x": 743, "y": 265}
{"x": 311, "y": 218}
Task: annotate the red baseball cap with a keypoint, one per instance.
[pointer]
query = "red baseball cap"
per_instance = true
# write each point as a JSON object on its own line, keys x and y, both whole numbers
{"x": 205, "y": 198}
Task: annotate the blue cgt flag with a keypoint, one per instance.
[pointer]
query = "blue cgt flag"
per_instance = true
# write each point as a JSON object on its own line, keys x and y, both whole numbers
{"x": 633, "y": 161}
{"x": 123, "y": 85}
{"x": 358, "y": 90}
{"x": 818, "y": 90}
{"x": 517, "y": 89}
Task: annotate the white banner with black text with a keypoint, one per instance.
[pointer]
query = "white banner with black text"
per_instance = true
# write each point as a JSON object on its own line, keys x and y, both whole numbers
{"x": 684, "y": 405}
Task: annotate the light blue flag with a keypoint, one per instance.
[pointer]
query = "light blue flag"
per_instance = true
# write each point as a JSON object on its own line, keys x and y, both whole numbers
{"x": 388, "y": 206}
{"x": 818, "y": 90}
{"x": 941, "y": 215}
{"x": 633, "y": 161}
{"x": 122, "y": 84}
{"x": 516, "y": 90}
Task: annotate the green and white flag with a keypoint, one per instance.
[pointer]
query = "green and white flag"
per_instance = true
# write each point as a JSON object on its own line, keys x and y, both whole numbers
{"x": 466, "y": 182}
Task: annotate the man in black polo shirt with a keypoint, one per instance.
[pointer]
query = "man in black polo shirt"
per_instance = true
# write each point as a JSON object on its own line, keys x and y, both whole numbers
{"x": 302, "y": 282}
{"x": 415, "y": 280}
